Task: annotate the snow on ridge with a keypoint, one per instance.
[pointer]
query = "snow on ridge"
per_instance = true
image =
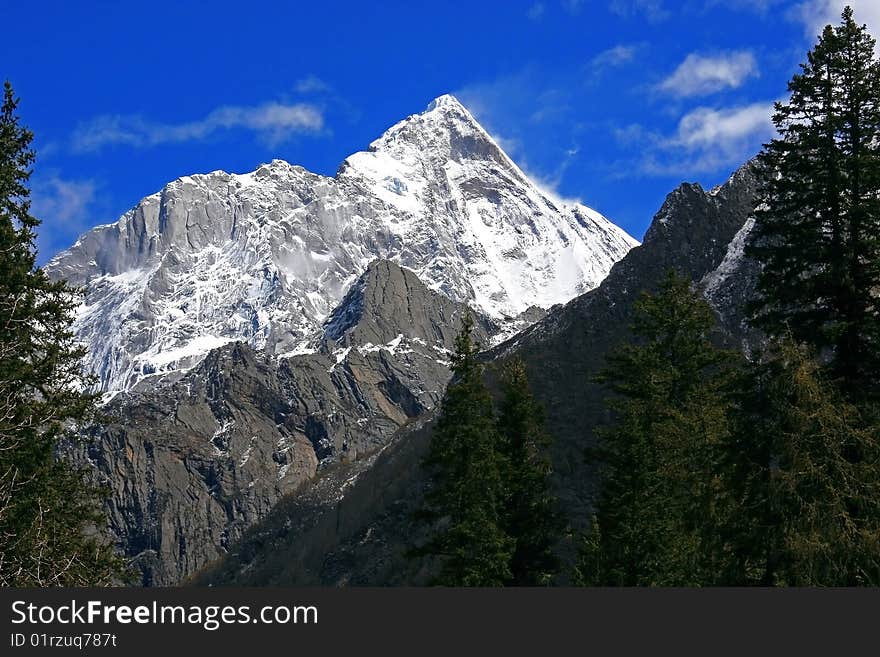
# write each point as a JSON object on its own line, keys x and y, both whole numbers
{"x": 264, "y": 257}
{"x": 729, "y": 265}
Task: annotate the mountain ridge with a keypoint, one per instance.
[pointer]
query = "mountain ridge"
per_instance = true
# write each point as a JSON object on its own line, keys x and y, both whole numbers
{"x": 263, "y": 257}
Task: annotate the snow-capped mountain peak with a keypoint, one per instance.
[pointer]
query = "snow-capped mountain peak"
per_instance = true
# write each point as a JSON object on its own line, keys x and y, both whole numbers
{"x": 265, "y": 256}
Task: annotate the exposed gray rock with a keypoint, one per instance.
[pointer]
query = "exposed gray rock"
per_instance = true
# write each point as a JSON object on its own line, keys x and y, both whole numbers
{"x": 352, "y": 526}
{"x": 388, "y": 299}
{"x": 190, "y": 467}
{"x": 193, "y": 463}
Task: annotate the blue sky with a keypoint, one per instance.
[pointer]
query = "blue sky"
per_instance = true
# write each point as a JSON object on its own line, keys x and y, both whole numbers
{"x": 613, "y": 102}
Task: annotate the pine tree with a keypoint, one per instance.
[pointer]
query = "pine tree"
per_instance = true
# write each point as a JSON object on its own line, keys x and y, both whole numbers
{"x": 467, "y": 496}
{"x": 811, "y": 511}
{"x": 809, "y": 468}
{"x": 662, "y": 513}
{"x": 532, "y": 518}
{"x": 48, "y": 512}
{"x": 817, "y": 231}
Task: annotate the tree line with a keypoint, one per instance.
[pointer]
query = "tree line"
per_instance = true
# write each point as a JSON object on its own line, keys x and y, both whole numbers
{"x": 493, "y": 516}
{"x": 720, "y": 469}
{"x": 723, "y": 470}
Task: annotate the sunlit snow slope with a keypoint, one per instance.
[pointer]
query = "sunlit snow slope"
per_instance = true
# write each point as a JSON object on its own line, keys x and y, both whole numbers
{"x": 264, "y": 257}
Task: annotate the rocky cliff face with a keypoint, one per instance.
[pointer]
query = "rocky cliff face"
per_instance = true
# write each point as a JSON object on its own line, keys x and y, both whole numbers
{"x": 388, "y": 298}
{"x": 264, "y": 257}
{"x": 193, "y": 463}
{"x": 360, "y": 534}
{"x": 190, "y": 468}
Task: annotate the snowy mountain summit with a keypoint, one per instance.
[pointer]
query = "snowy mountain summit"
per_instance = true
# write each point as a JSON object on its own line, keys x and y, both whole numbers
{"x": 265, "y": 257}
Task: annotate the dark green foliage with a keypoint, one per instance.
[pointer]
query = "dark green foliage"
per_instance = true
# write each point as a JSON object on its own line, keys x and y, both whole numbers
{"x": 531, "y": 516}
{"x": 811, "y": 490}
{"x": 467, "y": 496}
{"x": 809, "y": 466}
{"x": 47, "y": 511}
{"x": 720, "y": 475}
{"x": 817, "y": 230}
{"x": 663, "y": 511}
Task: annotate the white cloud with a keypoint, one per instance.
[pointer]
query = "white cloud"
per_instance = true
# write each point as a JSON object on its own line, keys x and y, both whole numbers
{"x": 704, "y": 127}
{"x": 652, "y": 10}
{"x": 56, "y": 200}
{"x": 273, "y": 122}
{"x": 616, "y": 56}
{"x": 816, "y": 14}
{"x": 311, "y": 84}
{"x": 64, "y": 207}
{"x": 536, "y": 11}
{"x": 709, "y": 139}
{"x": 700, "y": 75}
{"x": 706, "y": 140}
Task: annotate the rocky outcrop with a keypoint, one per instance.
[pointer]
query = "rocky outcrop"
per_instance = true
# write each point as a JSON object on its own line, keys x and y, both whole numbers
{"x": 351, "y": 527}
{"x": 191, "y": 464}
{"x": 388, "y": 297}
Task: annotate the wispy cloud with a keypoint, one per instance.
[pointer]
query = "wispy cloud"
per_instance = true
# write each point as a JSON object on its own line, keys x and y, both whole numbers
{"x": 519, "y": 102}
{"x": 816, "y": 14}
{"x": 616, "y": 56}
{"x": 703, "y": 127}
{"x": 58, "y": 200}
{"x": 536, "y": 11}
{"x": 272, "y": 122}
{"x": 651, "y": 10}
{"x": 519, "y": 94}
{"x": 700, "y": 75}
{"x": 706, "y": 140}
{"x": 65, "y": 208}
{"x": 311, "y": 84}
{"x": 759, "y": 6}
{"x": 633, "y": 134}
{"x": 550, "y": 183}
